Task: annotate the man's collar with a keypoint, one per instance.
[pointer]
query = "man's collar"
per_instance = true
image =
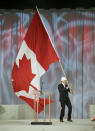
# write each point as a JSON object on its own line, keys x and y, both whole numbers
{"x": 63, "y": 84}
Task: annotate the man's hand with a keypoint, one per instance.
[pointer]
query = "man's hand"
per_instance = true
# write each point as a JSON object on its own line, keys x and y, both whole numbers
{"x": 69, "y": 88}
{"x": 70, "y": 91}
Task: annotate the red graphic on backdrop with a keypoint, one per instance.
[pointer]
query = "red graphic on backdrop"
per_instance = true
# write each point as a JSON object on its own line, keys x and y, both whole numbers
{"x": 40, "y": 103}
{"x": 22, "y": 75}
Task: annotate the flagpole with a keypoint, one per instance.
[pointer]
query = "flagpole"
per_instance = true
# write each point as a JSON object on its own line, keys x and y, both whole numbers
{"x": 52, "y": 43}
{"x": 35, "y": 108}
{"x": 64, "y": 73}
{"x": 62, "y": 68}
{"x": 36, "y": 7}
{"x": 53, "y": 47}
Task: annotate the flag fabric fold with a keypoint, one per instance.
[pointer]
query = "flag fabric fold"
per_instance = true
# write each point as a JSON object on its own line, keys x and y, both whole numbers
{"x": 33, "y": 60}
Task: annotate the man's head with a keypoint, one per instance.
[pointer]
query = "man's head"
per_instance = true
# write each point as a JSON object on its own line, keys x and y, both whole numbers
{"x": 63, "y": 80}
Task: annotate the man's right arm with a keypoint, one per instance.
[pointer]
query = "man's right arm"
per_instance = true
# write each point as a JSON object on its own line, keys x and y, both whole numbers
{"x": 59, "y": 88}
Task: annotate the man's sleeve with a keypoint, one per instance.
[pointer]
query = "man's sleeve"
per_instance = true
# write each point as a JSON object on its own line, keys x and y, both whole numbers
{"x": 59, "y": 88}
{"x": 67, "y": 88}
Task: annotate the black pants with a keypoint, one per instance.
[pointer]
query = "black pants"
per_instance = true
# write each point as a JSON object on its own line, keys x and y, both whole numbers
{"x": 66, "y": 102}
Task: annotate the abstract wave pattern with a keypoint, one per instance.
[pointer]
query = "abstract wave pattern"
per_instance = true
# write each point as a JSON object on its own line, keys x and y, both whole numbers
{"x": 73, "y": 36}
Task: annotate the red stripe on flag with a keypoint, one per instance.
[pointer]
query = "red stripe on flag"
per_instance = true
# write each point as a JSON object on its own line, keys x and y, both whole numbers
{"x": 39, "y": 42}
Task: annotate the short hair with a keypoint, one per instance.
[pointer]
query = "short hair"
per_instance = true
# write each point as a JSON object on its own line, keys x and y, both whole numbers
{"x": 63, "y": 78}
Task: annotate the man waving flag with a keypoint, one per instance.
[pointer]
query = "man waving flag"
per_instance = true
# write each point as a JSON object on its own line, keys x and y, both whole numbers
{"x": 33, "y": 60}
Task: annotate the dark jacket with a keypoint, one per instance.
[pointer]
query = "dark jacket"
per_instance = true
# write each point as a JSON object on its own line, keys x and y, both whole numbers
{"x": 63, "y": 92}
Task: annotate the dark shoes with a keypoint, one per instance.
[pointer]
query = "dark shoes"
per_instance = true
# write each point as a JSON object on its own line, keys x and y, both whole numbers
{"x": 69, "y": 120}
{"x": 61, "y": 121}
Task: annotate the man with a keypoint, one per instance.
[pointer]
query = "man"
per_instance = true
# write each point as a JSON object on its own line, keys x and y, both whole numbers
{"x": 64, "y": 99}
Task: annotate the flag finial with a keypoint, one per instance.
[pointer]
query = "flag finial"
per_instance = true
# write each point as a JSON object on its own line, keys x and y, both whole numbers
{"x": 36, "y": 7}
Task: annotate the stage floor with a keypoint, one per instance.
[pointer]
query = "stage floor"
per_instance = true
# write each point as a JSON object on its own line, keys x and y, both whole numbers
{"x": 25, "y": 125}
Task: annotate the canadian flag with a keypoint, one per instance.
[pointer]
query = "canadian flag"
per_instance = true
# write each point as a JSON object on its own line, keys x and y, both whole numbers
{"x": 33, "y": 60}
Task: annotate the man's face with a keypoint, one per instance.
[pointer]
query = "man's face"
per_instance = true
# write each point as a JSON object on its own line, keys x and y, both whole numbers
{"x": 64, "y": 81}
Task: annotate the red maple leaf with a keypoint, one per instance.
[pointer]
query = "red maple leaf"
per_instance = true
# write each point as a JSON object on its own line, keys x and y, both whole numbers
{"x": 22, "y": 75}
